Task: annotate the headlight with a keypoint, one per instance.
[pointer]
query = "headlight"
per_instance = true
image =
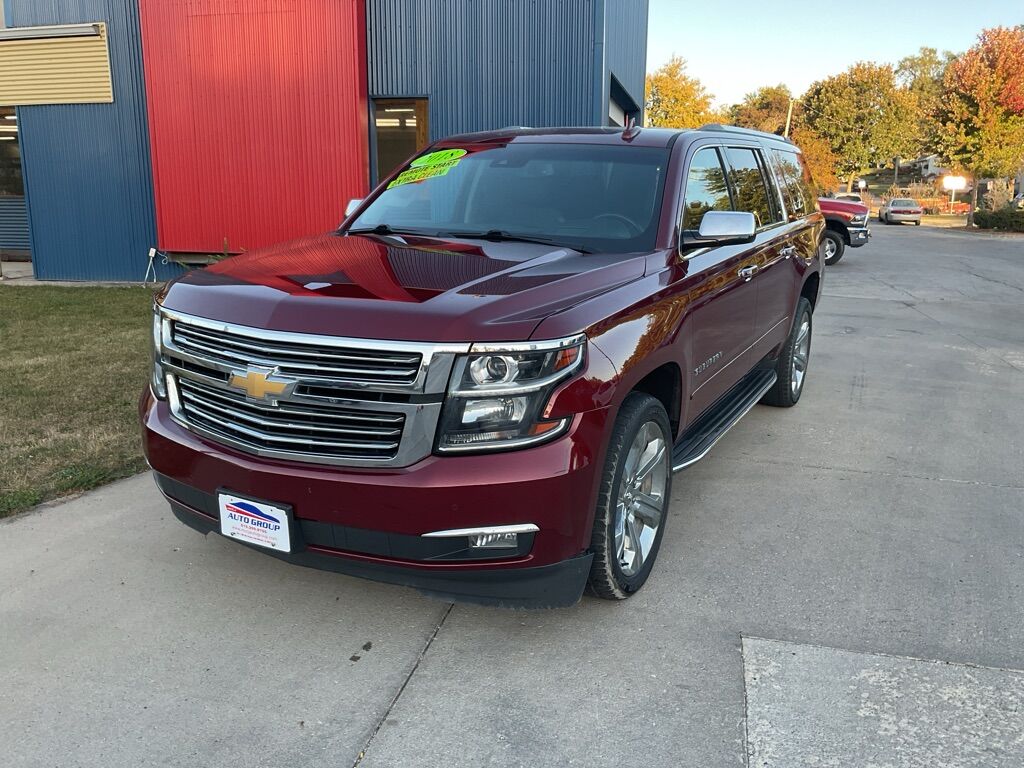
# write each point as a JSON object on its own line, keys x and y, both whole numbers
{"x": 859, "y": 219}
{"x": 157, "y": 382}
{"x": 498, "y": 393}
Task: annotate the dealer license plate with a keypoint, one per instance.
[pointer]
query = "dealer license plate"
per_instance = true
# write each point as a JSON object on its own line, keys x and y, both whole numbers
{"x": 254, "y": 522}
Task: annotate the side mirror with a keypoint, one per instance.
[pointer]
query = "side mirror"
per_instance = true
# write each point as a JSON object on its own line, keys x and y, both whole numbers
{"x": 724, "y": 228}
{"x": 353, "y": 206}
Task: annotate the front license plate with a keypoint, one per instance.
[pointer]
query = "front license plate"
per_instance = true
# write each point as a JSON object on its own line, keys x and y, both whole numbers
{"x": 255, "y": 522}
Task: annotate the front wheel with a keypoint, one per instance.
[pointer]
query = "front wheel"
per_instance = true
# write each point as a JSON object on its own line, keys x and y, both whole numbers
{"x": 832, "y": 246}
{"x": 633, "y": 501}
{"x": 791, "y": 367}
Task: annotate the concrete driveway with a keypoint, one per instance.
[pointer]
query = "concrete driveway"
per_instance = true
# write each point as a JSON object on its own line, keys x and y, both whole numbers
{"x": 840, "y": 584}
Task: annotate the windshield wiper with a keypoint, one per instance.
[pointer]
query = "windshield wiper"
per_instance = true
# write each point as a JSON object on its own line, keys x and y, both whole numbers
{"x": 500, "y": 235}
{"x": 387, "y": 229}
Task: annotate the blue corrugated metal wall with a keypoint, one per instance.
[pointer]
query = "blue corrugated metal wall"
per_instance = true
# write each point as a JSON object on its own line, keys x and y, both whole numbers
{"x": 13, "y": 224}
{"x": 486, "y": 64}
{"x": 88, "y": 177}
{"x": 626, "y": 45}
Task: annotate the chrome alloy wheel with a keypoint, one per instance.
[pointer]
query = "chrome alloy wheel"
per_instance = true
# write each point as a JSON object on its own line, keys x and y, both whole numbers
{"x": 641, "y": 498}
{"x": 801, "y": 354}
{"x": 830, "y": 248}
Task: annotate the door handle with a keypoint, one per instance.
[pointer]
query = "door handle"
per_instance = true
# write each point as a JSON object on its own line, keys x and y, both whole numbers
{"x": 748, "y": 272}
{"x": 789, "y": 251}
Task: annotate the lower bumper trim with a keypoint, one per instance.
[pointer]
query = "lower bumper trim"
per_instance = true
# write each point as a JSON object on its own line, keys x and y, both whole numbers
{"x": 557, "y": 585}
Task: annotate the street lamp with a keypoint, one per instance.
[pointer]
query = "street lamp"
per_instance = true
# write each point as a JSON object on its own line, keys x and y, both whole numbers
{"x": 954, "y": 184}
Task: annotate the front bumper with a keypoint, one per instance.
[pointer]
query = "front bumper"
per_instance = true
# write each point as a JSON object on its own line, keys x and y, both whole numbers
{"x": 859, "y": 236}
{"x": 370, "y": 522}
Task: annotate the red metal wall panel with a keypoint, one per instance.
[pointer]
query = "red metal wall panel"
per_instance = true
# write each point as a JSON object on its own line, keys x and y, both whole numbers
{"x": 257, "y": 118}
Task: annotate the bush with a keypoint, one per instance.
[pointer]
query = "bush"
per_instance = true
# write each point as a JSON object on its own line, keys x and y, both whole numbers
{"x": 1006, "y": 219}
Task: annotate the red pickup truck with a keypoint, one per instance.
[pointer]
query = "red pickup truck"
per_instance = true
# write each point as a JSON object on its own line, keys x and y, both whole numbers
{"x": 482, "y": 383}
{"x": 846, "y": 226}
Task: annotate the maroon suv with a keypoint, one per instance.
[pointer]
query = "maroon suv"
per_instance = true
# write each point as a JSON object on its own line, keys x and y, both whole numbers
{"x": 482, "y": 383}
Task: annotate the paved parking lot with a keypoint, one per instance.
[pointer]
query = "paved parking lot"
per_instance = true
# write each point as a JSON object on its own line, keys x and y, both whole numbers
{"x": 840, "y": 584}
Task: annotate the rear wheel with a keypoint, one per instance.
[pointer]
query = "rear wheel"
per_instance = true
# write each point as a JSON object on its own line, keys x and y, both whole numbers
{"x": 791, "y": 367}
{"x": 917, "y": 223}
{"x": 633, "y": 500}
{"x": 832, "y": 246}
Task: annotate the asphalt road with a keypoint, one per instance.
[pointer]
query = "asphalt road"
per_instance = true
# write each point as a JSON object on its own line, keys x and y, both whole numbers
{"x": 810, "y": 563}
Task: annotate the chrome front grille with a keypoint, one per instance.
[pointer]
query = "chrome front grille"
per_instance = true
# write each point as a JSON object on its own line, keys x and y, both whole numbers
{"x": 294, "y": 358}
{"x": 313, "y": 430}
{"x": 351, "y": 402}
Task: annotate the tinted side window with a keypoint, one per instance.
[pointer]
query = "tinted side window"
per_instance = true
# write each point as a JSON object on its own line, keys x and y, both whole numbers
{"x": 706, "y": 189}
{"x": 799, "y": 198}
{"x": 748, "y": 184}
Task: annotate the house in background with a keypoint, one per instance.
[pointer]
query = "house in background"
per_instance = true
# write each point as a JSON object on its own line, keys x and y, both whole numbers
{"x": 210, "y": 126}
{"x": 929, "y": 167}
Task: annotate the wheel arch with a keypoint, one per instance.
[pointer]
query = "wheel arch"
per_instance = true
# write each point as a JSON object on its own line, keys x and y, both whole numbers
{"x": 839, "y": 227}
{"x": 811, "y": 289}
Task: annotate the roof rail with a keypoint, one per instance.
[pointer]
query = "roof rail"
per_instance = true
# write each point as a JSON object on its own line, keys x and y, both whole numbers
{"x": 748, "y": 131}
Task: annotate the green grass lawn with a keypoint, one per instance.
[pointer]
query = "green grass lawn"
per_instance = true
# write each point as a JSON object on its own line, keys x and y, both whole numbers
{"x": 72, "y": 364}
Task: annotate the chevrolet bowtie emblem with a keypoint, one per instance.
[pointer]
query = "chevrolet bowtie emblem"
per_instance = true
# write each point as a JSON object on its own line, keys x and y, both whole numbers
{"x": 259, "y": 385}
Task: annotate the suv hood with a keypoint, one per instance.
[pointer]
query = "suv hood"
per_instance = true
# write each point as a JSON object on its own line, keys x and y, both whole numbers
{"x": 842, "y": 206}
{"x": 403, "y": 288}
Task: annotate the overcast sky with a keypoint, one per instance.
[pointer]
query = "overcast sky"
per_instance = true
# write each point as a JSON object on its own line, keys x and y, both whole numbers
{"x": 737, "y": 46}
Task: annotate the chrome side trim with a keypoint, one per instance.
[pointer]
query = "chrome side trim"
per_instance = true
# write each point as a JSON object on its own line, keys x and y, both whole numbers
{"x": 753, "y": 401}
{"x": 482, "y": 531}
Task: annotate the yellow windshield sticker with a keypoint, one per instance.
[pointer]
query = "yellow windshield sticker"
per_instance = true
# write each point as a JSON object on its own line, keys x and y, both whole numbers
{"x": 441, "y": 157}
{"x": 428, "y": 166}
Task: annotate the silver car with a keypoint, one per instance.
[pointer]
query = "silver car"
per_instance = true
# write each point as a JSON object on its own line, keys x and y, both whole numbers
{"x": 900, "y": 209}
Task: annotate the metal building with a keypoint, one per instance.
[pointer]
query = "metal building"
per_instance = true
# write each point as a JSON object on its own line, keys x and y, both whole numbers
{"x": 208, "y": 126}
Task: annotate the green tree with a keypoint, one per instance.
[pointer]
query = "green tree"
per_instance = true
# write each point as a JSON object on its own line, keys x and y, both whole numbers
{"x": 865, "y": 117}
{"x": 674, "y": 99}
{"x": 764, "y": 110}
{"x": 921, "y": 74}
{"x": 982, "y": 116}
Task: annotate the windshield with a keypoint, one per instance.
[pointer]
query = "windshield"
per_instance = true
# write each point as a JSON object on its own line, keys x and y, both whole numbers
{"x": 591, "y": 197}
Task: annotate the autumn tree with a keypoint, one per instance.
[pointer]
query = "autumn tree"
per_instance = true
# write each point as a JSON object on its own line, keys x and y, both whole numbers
{"x": 821, "y": 160}
{"x": 865, "y": 116}
{"x": 764, "y": 110}
{"x": 982, "y": 117}
{"x": 674, "y": 99}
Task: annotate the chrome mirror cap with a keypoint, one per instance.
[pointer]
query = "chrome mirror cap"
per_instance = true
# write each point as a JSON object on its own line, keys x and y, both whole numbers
{"x": 727, "y": 226}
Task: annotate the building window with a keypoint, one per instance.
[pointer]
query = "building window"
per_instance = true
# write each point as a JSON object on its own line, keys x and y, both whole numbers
{"x": 616, "y": 114}
{"x": 400, "y": 129}
{"x": 10, "y": 155}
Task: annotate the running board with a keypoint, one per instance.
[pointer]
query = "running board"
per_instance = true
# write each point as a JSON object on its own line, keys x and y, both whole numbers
{"x": 709, "y": 428}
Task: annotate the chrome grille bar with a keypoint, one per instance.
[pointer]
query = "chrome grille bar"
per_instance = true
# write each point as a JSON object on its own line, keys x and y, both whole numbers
{"x": 197, "y": 403}
{"x": 321, "y": 362}
{"x": 353, "y": 402}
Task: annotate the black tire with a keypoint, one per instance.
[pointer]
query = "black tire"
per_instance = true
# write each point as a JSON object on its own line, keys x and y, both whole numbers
{"x": 917, "y": 223}
{"x": 840, "y": 246}
{"x": 783, "y": 393}
{"x": 607, "y": 578}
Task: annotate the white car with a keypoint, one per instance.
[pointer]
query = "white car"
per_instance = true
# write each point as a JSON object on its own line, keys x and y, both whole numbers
{"x": 850, "y": 197}
{"x": 900, "y": 209}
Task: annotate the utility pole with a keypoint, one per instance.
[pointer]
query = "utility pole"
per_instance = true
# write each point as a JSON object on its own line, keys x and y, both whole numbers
{"x": 789, "y": 118}
{"x": 896, "y": 171}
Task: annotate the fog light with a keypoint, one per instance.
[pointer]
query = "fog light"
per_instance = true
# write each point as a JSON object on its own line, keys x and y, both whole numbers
{"x": 494, "y": 541}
